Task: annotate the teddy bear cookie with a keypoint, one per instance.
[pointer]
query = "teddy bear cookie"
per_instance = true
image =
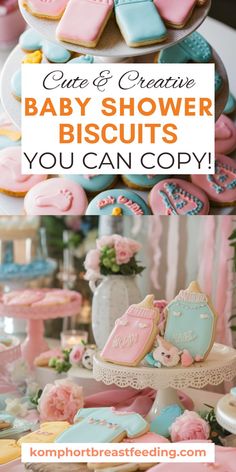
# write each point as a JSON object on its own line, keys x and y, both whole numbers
{"x": 133, "y": 335}
{"x": 191, "y": 322}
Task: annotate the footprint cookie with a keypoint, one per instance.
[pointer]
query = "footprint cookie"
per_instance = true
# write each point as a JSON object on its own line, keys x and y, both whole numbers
{"x": 56, "y": 196}
{"x": 51, "y": 9}
{"x": 12, "y": 181}
{"x": 194, "y": 48}
{"x": 175, "y": 13}
{"x": 225, "y": 135}
{"x": 139, "y": 22}
{"x": 178, "y": 197}
{"x": 31, "y": 41}
{"x": 118, "y": 202}
{"x": 220, "y": 187}
{"x": 84, "y": 21}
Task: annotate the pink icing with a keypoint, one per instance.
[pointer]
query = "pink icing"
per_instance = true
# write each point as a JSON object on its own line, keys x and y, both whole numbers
{"x": 135, "y": 207}
{"x": 53, "y": 8}
{"x": 57, "y": 196}
{"x": 47, "y": 355}
{"x": 226, "y": 170}
{"x": 84, "y": 20}
{"x": 174, "y": 11}
{"x": 106, "y": 201}
{"x": 225, "y": 135}
{"x": 38, "y": 297}
{"x": 11, "y": 178}
{"x": 25, "y": 297}
{"x": 147, "y": 438}
{"x": 157, "y": 203}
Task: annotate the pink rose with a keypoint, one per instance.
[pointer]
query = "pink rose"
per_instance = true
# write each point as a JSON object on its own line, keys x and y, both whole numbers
{"x": 105, "y": 241}
{"x": 92, "y": 260}
{"x": 60, "y": 401}
{"x": 134, "y": 245}
{"x": 189, "y": 426}
{"x": 123, "y": 252}
{"x": 77, "y": 354}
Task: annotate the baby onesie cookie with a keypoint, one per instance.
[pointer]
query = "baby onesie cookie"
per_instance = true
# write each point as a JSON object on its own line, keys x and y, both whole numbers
{"x": 9, "y": 451}
{"x": 9, "y": 135}
{"x": 142, "y": 182}
{"x": 230, "y": 105}
{"x": 51, "y": 9}
{"x": 117, "y": 202}
{"x": 47, "y": 433}
{"x": 83, "y": 22}
{"x": 220, "y": 187}
{"x": 94, "y": 183}
{"x": 103, "y": 425}
{"x": 12, "y": 181}
{"x": 139, "y": 22}
{"x": 56, "y": 196}
{"x": 191, "y": 322}
{"x": 16, "y": 85}
{"x": 133, "y": 334}
{"x": 178, "y": 197}
{"x": 225, "y": 135}
{"x": 193, "y": 48}
{"x": 31, "y": 41}
{"x": 175, "y": 13}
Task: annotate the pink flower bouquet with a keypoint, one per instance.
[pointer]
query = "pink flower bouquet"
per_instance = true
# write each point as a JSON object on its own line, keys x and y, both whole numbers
{"x": 114, "y": 255}
{"x": 60, "y": 401}
{"x": 188, "y": 427}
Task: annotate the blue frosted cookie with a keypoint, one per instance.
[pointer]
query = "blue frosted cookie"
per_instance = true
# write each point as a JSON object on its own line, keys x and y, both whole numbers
{"x": 142, "y": 182}
{"x": 82, "y": 60}
{"x": 9, "y": 135}
{"x": 93, "y": 183}
{"x": 16, "y": 84}
{"x": 118, "y": 202}
{"x": 230, "y": 105}
{"x": 194, "y": 48}
{"x": 31, "y": 41}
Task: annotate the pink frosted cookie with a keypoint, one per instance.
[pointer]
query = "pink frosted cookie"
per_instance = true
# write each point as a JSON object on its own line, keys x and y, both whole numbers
{"x": 52, "y": 9}
{"x": 84, "y": 21}
{"x": 22, "y": 297}
{"x": 147, "y": 438}
{"x": 43, "y": 359}
{"x": 175, "y": 13}
{"x": 220, "y": 187}
{"x": 12, "y": 181}
{"x": 57, "y": 196}
{"x": 225, "y": 135}
{"x": 178, "y": 197}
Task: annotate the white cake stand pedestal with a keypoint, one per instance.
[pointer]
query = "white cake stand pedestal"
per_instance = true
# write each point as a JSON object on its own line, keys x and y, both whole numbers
{"x": 220, "y": 366}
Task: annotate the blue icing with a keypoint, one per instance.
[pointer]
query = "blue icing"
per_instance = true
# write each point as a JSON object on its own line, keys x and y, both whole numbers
{"x": 82, "y": 60}
{"x": 230, "y": 105}
{"x": 139, "y": 21}
{"x": 219, "y": 180}
{"x": 38, "y": 268}
{"x": 218, "y": 81}
{"x": 134, "y": 201}
{"x": 193, "y": 328}
{"x": 30, "y": 41}
{"x": 193, "y": 48}
{"x": 174, "y": 191}
{"x": 162, "y": 423}
{"x": 16, "y": 84}
{"x": 102, "y": 425}
{"x": 7, "y": 142}
{"x": 95, "y": 183}
{"x": 144, "y": 180}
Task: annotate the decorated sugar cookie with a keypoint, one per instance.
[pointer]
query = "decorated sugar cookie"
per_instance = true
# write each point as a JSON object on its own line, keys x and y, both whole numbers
{"x": 230, "y": 105}
{"x": 142, "y": 181}
{"x": 118, "y": 202}
{"x": 164, "y": 354}
{"x": 175, "y": 13}
{"x": 9, "y": 135}
{"x": 56, "y": 196}
{"x": 225, "y": 135}
{"x": 12, "y": 181}
{"x": 52, "y": 9}
{"x": 139, "y": 22}
{"x": 83, "y": 22}
{"x": 178, "y": 197}
{"x": 16, "y": 85}
{"x": 9, "y": 451}
{"x": 47, "y": 433}
{"x": 220, "y": 187}
{"x": 31, "y": 41}
{"x": 191, "y": 322}
{"x": 103, "y": 425}
{"x": 194, "y": 48}
{"x": 93, "y": 183}
{"x": 133, "y": 335}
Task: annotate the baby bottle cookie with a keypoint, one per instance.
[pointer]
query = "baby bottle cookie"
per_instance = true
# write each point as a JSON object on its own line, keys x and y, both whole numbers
{"x": 133, "y": 335}
{"x": 191, "y": 322}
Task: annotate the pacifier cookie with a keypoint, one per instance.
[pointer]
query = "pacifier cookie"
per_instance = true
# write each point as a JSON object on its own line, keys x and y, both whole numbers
{"x": 12, "y": 181}
{"x": 178, "y": 197}
{"x": 56, "y": 196}
{"x": 51, "y": 9}
{"x": 117, "y": 202}
{"x": 225, "y": 135}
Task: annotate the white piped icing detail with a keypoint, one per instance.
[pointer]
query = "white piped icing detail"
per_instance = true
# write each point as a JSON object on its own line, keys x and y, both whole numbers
{"x": 123, "y": 322}
{"x": 204, "y": 316}
{"x": 186, "y": 296}
{"x": 176, "y": 313}
{"x": 142, "y": 325}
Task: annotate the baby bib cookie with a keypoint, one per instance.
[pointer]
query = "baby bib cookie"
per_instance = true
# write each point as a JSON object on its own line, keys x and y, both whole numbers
{"x": 51, "y": 9}
{"x": 133, "y": 334}
{"x": 12, "y": 181}
{"x": 139, "y": 22}
{"x": 220, "y": 187}
{"x": 9, "y": 451}
{"x": 84, "y": 21}
{"x": 118, "y": 202}
{"x": 225, "y": 135}
{"x": 103, "y": 425}
{"x": 178, "y": 197}
{"x": 47, "y": 433}
{"x": 175, "y": 13}
{"x": 191, "y": 322}
{"x": 56, "y": 196}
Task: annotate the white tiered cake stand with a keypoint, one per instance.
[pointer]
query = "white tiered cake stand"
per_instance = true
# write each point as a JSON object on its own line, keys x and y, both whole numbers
{"x": 220, "y": 366}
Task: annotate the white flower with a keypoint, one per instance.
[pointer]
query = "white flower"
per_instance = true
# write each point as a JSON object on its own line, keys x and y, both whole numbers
{"x": 18, "y": 371}
{"x": 15, "y": 407}
{"x": 32, "y": 389}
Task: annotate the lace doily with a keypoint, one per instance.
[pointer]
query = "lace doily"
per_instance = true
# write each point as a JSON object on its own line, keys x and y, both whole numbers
{"x": 220, "y": 366}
